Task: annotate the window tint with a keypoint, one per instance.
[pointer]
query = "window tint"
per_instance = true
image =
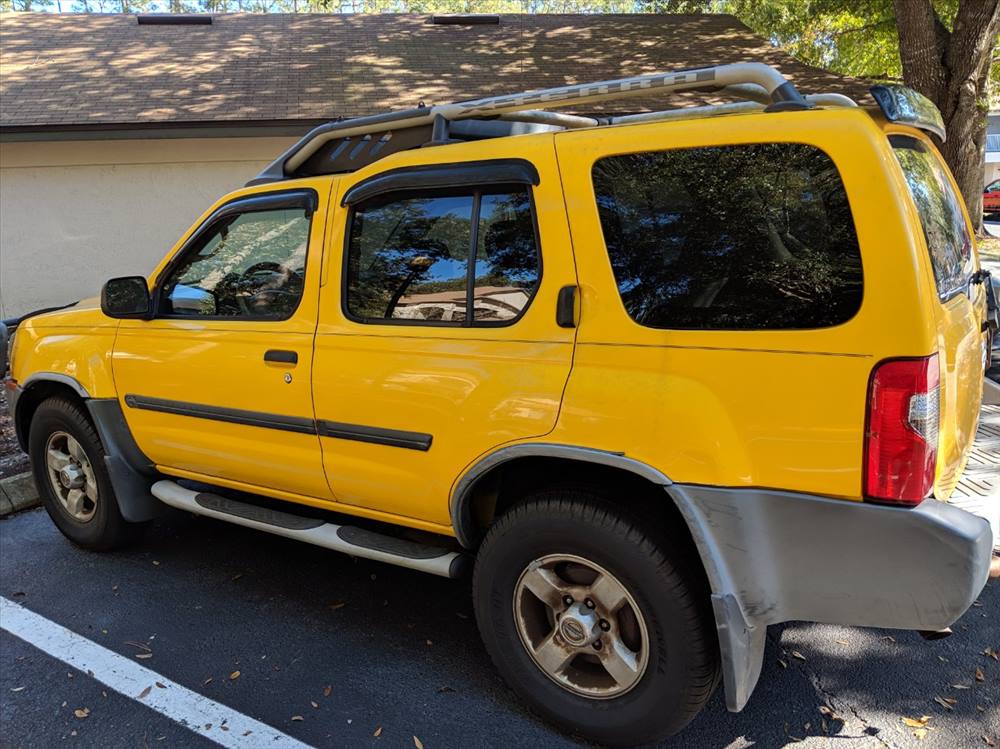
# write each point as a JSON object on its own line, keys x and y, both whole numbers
{"x": 409, "y": 257}
{"x": 941, "y": 215}
{"x": 249, "y": 265}
{"x": 736, "y": 237}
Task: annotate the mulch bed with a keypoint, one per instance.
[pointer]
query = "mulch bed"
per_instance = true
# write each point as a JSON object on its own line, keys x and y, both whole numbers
{"x": 12, "y": 460}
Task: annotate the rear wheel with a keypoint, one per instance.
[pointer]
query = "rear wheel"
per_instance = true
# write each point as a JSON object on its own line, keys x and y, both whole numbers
{"x": 599, "y": 628}
{"x": 67, "y": 460}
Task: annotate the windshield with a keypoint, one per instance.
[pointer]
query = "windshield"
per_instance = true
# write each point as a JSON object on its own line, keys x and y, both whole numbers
{"x": 941, "y": 215}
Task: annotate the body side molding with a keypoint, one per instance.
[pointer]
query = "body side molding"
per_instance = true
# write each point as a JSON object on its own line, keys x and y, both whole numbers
{"x": 459, "y": 506}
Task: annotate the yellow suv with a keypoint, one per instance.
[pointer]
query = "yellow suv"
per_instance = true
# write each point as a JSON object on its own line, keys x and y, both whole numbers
{"x": 658, "y": 380}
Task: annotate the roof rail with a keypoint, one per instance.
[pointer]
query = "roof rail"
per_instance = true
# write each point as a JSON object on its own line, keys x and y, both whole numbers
{"x": 753, "y": 80}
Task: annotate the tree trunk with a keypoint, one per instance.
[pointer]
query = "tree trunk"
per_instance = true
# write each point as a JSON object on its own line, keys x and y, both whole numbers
{"x": 952, "y": 70}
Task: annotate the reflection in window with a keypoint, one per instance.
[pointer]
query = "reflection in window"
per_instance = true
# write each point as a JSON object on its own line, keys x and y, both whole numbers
{"x": 409, "y": 257}
{"x": 506, "y": 259}
{"x": 249, "y": 265}
{"x": 735, "y": 237}
{"x": 941, "y": 215}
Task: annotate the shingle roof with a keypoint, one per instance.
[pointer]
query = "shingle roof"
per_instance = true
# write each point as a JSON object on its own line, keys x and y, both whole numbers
{"x": 59, "y": 70}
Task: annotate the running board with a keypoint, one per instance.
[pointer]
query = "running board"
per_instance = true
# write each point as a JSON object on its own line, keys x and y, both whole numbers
{"x": 357, "y": 542}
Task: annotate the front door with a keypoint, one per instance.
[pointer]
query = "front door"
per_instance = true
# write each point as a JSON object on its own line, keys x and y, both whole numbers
{"x": 217, "y": 385}
{"x": 438, "y": 340}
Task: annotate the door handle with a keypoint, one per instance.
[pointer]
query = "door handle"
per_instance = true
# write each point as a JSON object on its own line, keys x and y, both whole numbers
{"x": 566, "y": 307}
{"x": 280, "y": 356}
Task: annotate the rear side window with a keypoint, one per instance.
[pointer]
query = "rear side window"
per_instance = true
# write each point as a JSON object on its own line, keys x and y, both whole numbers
{"x": 941, "y": 215}
{"x": 432, "y": 257}
{"x": 730, "y": 238}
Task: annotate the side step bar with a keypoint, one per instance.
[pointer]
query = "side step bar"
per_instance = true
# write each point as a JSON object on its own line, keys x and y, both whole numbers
{"x": 357, "y": 542}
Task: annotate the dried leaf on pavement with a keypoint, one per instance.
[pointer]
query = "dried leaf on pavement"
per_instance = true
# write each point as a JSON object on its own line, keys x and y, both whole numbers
{"x": 946, "y": 702}
{"x": 418, "y": 743}
{"x": 314, "y": 704}
{"x": 234, "y": 675}
{"x": 980, "y": 676}
{"x": 920, "y": 722}
{"x": 326, "y": 691}
{"x": 81, "y": 712}
{"x": 991, "y": 653}
{"x": 143, "y": 656}
{"x": 144, "y": 693}
{"x": 297, "y": 717}
{"x": 988, "y": 741}
{"x": 797, "y": 654}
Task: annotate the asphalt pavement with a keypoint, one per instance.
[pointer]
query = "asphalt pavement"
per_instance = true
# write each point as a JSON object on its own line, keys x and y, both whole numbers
{"x": 343, "y": 653}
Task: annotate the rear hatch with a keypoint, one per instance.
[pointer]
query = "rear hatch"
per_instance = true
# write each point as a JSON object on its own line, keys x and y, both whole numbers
{"x": 961, "y": 302}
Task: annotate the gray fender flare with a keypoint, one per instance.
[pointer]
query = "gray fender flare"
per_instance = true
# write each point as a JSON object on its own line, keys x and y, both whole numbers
{"x": 741, "y": 644}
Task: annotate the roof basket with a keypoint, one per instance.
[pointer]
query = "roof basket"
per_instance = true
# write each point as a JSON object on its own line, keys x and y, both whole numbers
{"x": 360, "y": 141}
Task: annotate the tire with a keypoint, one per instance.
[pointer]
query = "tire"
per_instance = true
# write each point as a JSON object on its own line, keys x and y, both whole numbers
{"x": 56, "y": 423}
{"x": 681, "y": 653}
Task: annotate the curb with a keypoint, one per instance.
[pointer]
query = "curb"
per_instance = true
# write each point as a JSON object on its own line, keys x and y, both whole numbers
{"x": 17, "y": 493}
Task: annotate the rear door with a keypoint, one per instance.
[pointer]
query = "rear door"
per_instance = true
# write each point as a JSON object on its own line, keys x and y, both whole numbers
{"x": 437, "y": 338}
{"x": 962, "y": 343}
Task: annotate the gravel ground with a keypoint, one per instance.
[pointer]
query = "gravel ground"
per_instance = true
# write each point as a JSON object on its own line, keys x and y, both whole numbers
{"x": 12, "y": 460}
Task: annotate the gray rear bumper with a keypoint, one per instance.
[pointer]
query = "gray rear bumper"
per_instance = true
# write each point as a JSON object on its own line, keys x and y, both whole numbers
{"x": 778, "y": 556}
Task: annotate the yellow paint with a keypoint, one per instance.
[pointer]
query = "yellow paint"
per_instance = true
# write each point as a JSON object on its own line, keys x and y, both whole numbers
{"x": 780, "y": 409}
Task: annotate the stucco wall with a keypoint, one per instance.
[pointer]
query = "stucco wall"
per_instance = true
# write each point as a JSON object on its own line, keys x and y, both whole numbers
{"x": 75, "y": 213}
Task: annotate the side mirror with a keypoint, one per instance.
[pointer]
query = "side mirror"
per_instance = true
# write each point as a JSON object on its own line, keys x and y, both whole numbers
{"x": 125, "y": 297}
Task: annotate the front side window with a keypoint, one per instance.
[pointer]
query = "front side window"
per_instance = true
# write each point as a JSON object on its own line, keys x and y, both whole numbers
{"x": 433, "y": 257}
{"x": 941, "y": 215}
{"x": 249, "y": 265}
{"x": 730, "y": 238}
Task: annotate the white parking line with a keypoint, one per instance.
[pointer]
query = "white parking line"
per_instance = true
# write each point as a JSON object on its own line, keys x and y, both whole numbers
{"x": 180, "y": 704}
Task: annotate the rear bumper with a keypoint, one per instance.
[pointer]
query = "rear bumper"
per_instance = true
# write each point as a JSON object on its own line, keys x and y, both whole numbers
{"x": 778, "y": 556}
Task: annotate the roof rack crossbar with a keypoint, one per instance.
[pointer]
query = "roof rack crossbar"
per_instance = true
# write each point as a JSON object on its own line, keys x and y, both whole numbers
{"x": 753, "y": 80}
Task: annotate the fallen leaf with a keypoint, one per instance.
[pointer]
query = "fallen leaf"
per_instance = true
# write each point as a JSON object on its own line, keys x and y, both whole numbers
{"x": 234, "y": 675}
{"x": 942, "y": 659}
{"x": 945, "y": 702}
{"x": 156, "y": 563}
{"x": 326, "y": 691}
{"x": 81, "y": 712}
{"x": 161, "y": 686}
{"x": 337, "y": 605}
{"x": 782, "y": 663}
{"x": 207, "y": 681}
{"x": 843, "y": 642}
{"x": 237, "y": 577}
{"x": 314, "y": 704}
{"x": 991, "y": 653}
{"x": 416, "y": 742}
{"x": 442, "y": 690}
{"x": 139, "y": 645}
{"x": 830, "y": 713}
{"x": 17, "y": 689}
{"x": 889, "y": 638}
{"x": 920, "y": 733}
{"x": 378, "y": 732}
{"x": 797, "y": 654}
{"x": 916, "y": 722}
{"x": 960, "y": 686}
{"x": 980, "y": 676}
{"x": 143, "y": 656}
{"x": 297, "y": 717}
{"x": 988, "y": 741}
{"x": 144, "y": 693}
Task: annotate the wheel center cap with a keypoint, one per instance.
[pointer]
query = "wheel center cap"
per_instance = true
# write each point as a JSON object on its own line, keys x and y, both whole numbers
{"x": 579, "y": 625}
{"x": 71, "y": 477}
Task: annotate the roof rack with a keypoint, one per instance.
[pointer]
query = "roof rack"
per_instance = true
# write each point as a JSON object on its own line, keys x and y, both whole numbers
{"x": 347, "y": 145}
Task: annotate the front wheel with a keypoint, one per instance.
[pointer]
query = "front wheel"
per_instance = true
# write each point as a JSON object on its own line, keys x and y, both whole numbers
{"x": 67, "y": 461}
{"x": 597, "y": 627}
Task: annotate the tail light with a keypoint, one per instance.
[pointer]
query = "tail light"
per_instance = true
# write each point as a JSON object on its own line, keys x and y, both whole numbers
{"x": 901, "y": 433}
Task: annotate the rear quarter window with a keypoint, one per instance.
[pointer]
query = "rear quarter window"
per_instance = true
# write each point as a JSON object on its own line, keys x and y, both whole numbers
{"x": 941, "y": 217}
{"x": 745, "y": 237}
